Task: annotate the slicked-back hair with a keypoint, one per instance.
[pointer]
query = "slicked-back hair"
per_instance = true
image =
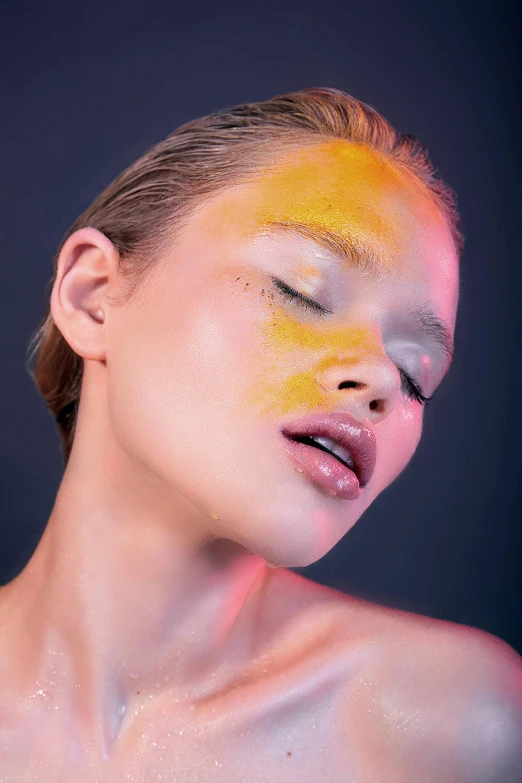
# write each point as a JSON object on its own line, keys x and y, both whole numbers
{"x": 143, "y": 206}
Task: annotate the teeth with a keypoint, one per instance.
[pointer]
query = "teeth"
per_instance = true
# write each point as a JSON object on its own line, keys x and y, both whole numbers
{"x": 335, "y": 448}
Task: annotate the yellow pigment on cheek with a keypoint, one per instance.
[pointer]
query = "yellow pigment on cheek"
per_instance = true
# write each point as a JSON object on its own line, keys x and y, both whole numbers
{"x": 277, "y": 389}
{"x": 299, "y": 394}
{"x": 285, "y": 333}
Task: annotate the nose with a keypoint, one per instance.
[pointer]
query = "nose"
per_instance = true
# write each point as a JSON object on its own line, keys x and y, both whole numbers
{"x": 367, "y": 387}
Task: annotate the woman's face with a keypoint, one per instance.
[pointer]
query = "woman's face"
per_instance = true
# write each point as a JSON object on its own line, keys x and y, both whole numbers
{"x": 214, "y": 357}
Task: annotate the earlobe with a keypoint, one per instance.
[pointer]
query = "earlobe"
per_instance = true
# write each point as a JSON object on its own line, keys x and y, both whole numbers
{"x": 87, "y": 263}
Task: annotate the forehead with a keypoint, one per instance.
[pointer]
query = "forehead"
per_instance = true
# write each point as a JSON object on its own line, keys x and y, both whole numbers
{"x": 353, "y": 193}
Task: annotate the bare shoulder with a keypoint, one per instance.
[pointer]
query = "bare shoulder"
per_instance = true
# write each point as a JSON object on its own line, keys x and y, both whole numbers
{"x": 449, "y": 696}
{"x": 434, "y": 700}
{"x": 403, "y": 638}
{"x": 480, "y": 681}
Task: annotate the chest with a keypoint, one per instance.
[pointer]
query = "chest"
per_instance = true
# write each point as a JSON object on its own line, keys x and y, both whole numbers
{"x": 318, "y": 728}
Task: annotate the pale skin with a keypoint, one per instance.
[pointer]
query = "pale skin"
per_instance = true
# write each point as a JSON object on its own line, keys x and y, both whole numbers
{"x": 156, "y": 632}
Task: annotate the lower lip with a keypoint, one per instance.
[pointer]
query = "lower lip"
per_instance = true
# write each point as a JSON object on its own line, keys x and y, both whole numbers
{"x": 324, "y": 469}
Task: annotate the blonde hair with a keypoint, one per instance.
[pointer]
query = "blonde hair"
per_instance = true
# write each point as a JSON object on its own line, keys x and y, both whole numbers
{"x": 140, "y": 208}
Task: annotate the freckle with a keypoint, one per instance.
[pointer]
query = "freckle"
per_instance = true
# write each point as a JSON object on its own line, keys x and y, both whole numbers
{"x": 237, "y": 278}
{"x": 288, "y": 753}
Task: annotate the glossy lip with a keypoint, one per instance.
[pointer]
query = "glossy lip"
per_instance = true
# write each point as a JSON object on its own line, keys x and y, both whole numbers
{"x": 345, "y": 430}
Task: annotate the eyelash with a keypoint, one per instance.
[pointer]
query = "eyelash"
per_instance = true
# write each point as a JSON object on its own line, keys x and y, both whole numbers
{"x": 414, "y": 390}
{"x": 303, "y": 301}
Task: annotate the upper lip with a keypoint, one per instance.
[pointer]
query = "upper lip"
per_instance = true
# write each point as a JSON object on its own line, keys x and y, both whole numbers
{"x": 345, "y": 430}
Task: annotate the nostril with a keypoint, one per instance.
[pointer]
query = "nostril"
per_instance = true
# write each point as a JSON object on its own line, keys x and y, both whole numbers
{"x": 347, "y": 385}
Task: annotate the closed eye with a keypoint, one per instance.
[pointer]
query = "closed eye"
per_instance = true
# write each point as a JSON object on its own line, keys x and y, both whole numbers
{"x": 413, "y": 388}
{"x": 300, "y": 299}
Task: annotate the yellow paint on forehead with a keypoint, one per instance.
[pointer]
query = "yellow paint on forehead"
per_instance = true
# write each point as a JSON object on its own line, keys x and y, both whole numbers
{"x": 344, "y": 187}
{"x": 318, "y": 186}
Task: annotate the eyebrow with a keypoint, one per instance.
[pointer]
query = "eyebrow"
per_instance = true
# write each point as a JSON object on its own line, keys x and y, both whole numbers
{"x": 358, "y": 254}
{"x": 349, "y": 248}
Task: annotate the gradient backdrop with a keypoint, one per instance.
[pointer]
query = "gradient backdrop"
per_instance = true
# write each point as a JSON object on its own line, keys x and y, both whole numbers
{"x": 87, "y": 87}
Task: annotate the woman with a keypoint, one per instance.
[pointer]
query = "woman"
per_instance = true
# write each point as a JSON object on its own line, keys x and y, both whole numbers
{"x": 242, "y": 333}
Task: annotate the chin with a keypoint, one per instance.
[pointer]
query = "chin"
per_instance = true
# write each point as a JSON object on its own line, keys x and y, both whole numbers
{"x": 299, "y": 537}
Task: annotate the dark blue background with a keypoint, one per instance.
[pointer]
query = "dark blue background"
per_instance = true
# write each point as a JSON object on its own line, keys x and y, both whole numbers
{"x": 86, "y": 90}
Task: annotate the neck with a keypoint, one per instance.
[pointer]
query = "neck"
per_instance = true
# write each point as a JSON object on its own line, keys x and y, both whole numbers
{"x": 128, "y": 592}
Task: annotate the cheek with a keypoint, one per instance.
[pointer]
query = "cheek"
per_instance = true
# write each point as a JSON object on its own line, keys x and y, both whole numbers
{"x": 176, "y": 376}
{"x": 298, "y": 393}
{"x": 399, "y": 436}
{"x": 281, "y": 384}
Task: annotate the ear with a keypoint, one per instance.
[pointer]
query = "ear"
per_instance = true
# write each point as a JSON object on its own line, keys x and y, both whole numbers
{"x": 88, "y": 261}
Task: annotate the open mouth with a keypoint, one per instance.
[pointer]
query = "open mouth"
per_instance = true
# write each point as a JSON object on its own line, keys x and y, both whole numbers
{"x": 315, "y": 457}
{"x": 333, "y": 449}
{"x": 329, "y": 446}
